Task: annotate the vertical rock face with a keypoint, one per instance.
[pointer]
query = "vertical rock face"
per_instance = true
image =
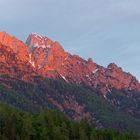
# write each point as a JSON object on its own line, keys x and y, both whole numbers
{"x": 14, "y": 58}
{"x": 51, "y": 60}
{"x": 121, "y": 80}
{"x": 17, "y": 46}
{"x": 37, "y": 41}
{"x": 45, "y": 54}
{"x": 54, "y": 59}
{"x": 39, "y": 48}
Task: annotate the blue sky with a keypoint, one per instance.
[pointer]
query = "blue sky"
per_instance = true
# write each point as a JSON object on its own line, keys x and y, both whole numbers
{"x": 105, "y": 30}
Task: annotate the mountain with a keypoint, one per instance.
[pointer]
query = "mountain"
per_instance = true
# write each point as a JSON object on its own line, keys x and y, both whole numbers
{"x": 14, "y": 57}
{"x": 40, "y": 73}
{"x": 48, "y": 57}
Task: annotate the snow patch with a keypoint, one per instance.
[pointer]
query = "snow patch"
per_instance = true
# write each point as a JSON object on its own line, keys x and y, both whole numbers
{"x": 48, "y": 46}
{"x": 42, "y": 46}
{"x": 37, "y": 35}
{"x": 39, "y": 66}
{"x": 109, "y": 90}
{"x": 63, "y": 78}
{"x": 94, "y": 71}
{"x": 30, "y": 61}
{"x": 35, "y": 45}
{"x": 88, "y": 77}
{"x": 66, "y": 58}
{"x": 105, "y": 96}
{"x": 33, "y": 64}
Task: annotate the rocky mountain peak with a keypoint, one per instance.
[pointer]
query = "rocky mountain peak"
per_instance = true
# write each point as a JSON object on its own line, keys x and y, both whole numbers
{"x": 43, "y": 50}
{"x": 16, "y": 45}
{"x": 37, "y": 41}
{"x": 49, "y": 59}
{"x": 112, "y": 66}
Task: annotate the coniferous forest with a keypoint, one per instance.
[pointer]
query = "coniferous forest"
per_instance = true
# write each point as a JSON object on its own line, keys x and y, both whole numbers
{"x": 51, "y": 125}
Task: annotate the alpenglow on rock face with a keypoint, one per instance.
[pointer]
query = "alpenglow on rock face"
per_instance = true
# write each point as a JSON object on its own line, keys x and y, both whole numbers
{"x": 79, "y": 88}
{"x": 17, "y": 46}
{"x": 49, "y": 59}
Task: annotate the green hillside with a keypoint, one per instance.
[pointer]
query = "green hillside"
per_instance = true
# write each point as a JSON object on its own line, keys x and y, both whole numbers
{"x": 50, "y": 125}
{"x": 35, "y": 98}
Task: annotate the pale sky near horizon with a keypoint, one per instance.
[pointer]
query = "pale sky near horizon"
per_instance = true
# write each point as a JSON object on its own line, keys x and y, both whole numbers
{"x": 105, "y": 30}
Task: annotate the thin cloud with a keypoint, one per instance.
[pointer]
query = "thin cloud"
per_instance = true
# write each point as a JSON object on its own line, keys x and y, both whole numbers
{"x": 107, "y": 30}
